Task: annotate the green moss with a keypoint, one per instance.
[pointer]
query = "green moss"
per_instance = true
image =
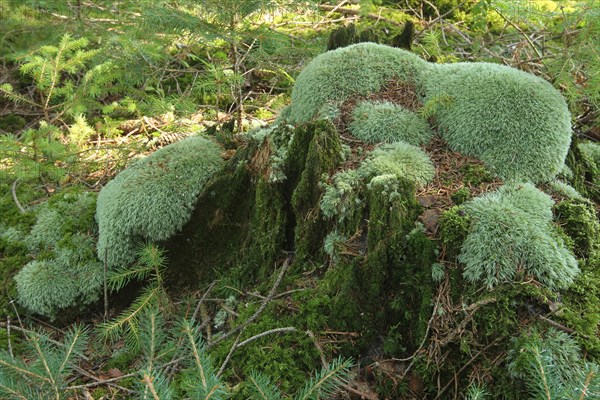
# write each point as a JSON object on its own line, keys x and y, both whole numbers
{"x": 153, "y": 198}
{"x": 285, "y": 358}
{"x": 512, "y": 230}
{"x": 580, "y": 222}
{"x": 337, "y": 75}
{"x": 383, "y": 277}
{"x": 525, "y": 135}
{"x": 267, "y": 236}
{"x": 454, "y": 229}
{"x": 416, "y": 285}
{"x": 475, "y": 174}
{"x": 12, "y": 123}
{"x": 580, "y": 310}
{"x": 564, "y": 189}
{"x": 377, "y": 122}
{"x": 460, "y": 196}
{"x": 66, "y": 273}
{"x": 392, "y": 208}
{"x": 401, "y": 160}
{"x": 584, "y": 162}
{"x": 214, "y": 237}
{"x": 324, "y": 154}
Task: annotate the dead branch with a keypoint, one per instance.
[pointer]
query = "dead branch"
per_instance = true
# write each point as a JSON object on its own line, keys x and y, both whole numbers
{"x": 13, "y": 190}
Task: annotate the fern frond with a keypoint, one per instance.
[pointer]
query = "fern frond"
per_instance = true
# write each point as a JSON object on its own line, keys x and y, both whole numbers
{"x": 327, "y": 382}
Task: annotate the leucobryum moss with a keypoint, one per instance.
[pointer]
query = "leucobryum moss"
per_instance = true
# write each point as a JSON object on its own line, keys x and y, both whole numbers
{"x": 512, "y": 231}
{"x": 153, "y": 198}
{"x": 515, "y": 122}
{"x": 387, "y": 162}
{"x": 383, "y": 121}
{"x": 400, "y": 159}
{"x": 66, "y": 272}
{"x": 335, "y": 76}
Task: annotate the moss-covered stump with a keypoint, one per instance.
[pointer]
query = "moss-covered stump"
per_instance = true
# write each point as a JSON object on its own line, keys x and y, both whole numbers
{"x": 426, "y": 232}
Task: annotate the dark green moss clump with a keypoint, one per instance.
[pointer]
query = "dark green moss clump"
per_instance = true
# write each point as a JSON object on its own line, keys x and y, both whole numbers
{"x": 584, "y": 169}
{"x": 580, "y": 222}
{"x": 454, "y": 228}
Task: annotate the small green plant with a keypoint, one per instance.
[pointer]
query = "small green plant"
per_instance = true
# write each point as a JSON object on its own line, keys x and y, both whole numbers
{"x": 59, "y": 90}
{"x": 460, "y": 196}
{"x": 323, "y": 385}
{"x": 153, "y": 198}
{"x": 150, "y": 268}
{"x": 377, "y": 122}
{"x": 37, "y": 156}
{"x": 199, "y": 379}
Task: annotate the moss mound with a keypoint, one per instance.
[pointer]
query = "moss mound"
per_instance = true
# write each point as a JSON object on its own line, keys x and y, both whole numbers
{"x": 153, "y": 198}
{"x": 337, "y": 75}
{"x": 377, "y": 122}
{"x": 63, "y": 243}
{"x": 512, "y": 231}
{"x": 515, "y": 122}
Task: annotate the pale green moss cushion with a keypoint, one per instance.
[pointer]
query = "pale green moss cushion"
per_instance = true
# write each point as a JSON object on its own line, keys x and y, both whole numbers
{"x": 512, "y": 231}
{"x": 515, "y": 122}
{"x": 154, "y": 198}
{"x": 386, "y": 122}
{"x": 360, "y": 69}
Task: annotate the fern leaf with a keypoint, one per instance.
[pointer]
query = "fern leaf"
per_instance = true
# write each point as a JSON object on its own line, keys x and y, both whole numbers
{"x": 326, "y": 382}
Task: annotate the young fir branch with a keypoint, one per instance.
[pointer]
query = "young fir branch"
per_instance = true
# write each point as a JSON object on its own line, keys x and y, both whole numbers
{"x": 45, "y": 376}
{"x": 128, "y": 322}
{"x": 327, "y": 382}
{"x": 261, "y": 387}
